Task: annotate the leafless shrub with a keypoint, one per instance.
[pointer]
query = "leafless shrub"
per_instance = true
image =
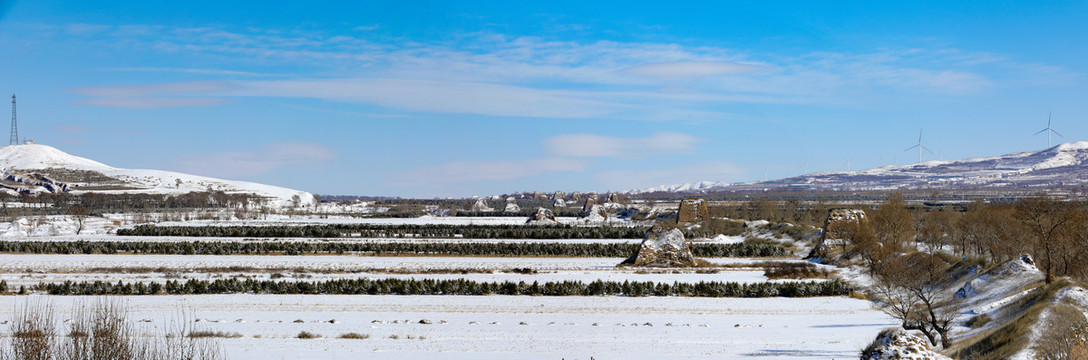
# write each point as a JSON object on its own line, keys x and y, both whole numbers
{"x": 98, "y": 331}
{"x": 213, "y": 334}
{"x": 978, "y": 321}
{"x": 307, "y": 335}
{"x": 33, "y": 333}
{"x": 174, "y": 345}
{"x": 357, "y": 336}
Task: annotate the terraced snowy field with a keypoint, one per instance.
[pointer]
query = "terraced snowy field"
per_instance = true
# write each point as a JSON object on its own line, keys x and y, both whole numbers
{"x": 266, "y": 326}
{"x": 508, "y": 327}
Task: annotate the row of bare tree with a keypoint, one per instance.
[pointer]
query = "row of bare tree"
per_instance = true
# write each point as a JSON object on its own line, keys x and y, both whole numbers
{"x": 911, "y": 254}
{"x": 1053, "y": 231}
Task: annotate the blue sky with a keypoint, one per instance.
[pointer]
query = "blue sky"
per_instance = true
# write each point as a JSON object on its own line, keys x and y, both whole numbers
{"x": 444, "y": 98}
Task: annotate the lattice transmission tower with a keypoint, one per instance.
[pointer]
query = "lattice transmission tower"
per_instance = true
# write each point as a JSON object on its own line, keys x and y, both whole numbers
{"x": 14, "y": 126}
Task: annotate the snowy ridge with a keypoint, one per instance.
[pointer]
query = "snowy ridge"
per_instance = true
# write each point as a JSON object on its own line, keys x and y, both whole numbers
{"x": 1062, "y": 165}
{"x": 686, "y": 187}
{"x": 1005, "y": 280}
{"x": 41, "y": 157}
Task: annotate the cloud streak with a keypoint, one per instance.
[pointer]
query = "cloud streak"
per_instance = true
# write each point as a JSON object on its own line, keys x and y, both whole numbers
{"x": 590, "y": 145}
{"x": 154, "y": 102}
{"x": 466, "y": 171}
{"x": 682, "y": 70}
{"x": 639, "y": 179}
{"x": 496, "y": 75}
{"x": 241, "y": 164}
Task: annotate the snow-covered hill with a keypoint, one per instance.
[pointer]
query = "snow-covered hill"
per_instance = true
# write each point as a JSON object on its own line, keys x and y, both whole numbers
{"x": 1062, "y": 165}
{"x": 85, "y": 175}
{"x": 686, "y": 187}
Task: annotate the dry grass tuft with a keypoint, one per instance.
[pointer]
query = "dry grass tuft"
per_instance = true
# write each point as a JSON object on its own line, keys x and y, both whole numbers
{"x": 96, "y": 331}
{"x": 978, "y": 321}
{"x": 357, "y": 336}
{"x": 307, "y": 335}
{"x": 214, "y": 334}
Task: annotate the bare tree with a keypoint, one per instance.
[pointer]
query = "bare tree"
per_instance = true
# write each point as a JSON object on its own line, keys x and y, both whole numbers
{"x": 1049, "y": 222}
{"x": 80, "y": 212}
{"x": 893, "y": 223}
{"x": 914, "y": 290}
{"x": 933, "y": 230}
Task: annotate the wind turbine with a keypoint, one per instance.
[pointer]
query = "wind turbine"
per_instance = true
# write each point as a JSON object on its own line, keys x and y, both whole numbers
{"x": 1048, "y": 130}
{"x": 920, "y": 147}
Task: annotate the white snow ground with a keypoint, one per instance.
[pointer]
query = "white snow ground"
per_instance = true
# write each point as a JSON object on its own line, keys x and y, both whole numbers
{"x": 506, "y": 327}
{"x": 23, "y": 269}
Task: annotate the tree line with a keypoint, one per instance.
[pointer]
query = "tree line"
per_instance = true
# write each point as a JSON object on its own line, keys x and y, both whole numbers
{"x": 376, "y": 248}
{"x": 397, "y": 231}
{"x": 916, "y": 258}
{"x": 61, "y": 203}
{"x": 366, "y": 286}
{"x": 1051, "y": 230}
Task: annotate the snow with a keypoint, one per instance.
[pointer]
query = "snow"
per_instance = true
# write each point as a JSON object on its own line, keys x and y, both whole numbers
{"x": 94, "y": 237}
{"x": 686, "y": 187}
{"x": 1062, "y": 164}
{"x": 723, "y": 239}
{"x": 279, "y": 220}
{"x": 462, "y": 327}
{"x": 596, "y": 214}
{"x": 337, "y": 263}
{"x": 27, "y": 269}
{"x": 38, "y": 156}
{"x": 505, "y": 327}
{"x": 664, "y": 241}
{"x": 1009, "y": 278}
{"x": 52, "y": 226}
{"x": 901, "y": 345}
{"x": 1075, "y": 295}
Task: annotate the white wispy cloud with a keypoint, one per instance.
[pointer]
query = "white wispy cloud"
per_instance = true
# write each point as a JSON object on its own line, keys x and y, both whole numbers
{"x": 466, "y": 171}
{"x": 497, "y": 75}
{"x": 240, "y": 164}
{"x": 591, "y": 145}
{"x": 192, "y": 71}
{"x": 157, "y": 89}
{"x": 154, "y": 102}
{"x": 681, "y": 70}
{"x": 638, "y": 179}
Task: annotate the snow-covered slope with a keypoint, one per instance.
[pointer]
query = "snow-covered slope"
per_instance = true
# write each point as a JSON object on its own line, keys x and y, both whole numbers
{"x": 49, "y": 160}
{"x": 1062, "y": 165}
{"x": 686, "y": 187}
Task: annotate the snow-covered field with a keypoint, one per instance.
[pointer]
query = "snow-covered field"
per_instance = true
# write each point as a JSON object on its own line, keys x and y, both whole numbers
{"x": 423, "y": 220}
{"x": 508, "y": 327}
{"x": 457, "y": 327}
{"x": 322, "y": 240}
{"x": 19, "y": 269}
{"x": 38, "y": 262}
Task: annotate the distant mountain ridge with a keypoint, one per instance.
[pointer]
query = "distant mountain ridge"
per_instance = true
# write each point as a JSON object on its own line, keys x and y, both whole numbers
{"x": 1062, "y": 165}
{"x": 41, "y": 168}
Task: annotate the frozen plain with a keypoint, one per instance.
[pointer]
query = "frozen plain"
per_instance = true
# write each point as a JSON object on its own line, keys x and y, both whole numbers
{"x": 475, "y": 327}
{"x": 508, "y": 327}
